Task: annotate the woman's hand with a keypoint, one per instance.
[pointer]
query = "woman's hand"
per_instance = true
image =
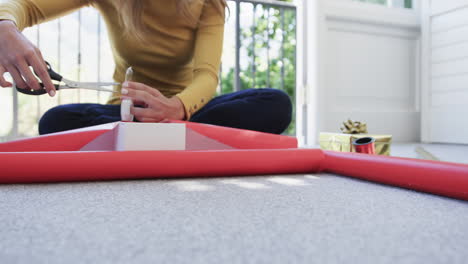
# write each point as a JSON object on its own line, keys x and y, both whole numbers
{"x": 157, "y": 107}
{"x": 17, "y": 53}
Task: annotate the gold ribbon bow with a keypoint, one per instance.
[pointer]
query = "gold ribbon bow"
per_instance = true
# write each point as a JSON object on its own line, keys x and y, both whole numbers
{"x": 354, "y": 127}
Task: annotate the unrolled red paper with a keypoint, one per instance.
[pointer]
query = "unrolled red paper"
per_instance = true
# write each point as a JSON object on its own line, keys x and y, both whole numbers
{"x": 255, "y": 154}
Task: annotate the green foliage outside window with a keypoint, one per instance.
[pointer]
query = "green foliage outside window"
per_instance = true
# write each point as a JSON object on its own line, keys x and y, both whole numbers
{"x": 269, "y": 35}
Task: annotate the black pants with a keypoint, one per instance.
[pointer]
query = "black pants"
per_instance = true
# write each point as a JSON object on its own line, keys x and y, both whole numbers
{"x": 264, "y": 110}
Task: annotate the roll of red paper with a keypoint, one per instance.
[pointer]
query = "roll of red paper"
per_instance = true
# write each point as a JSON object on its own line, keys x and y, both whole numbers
{"x": 442, "y": 178}
{"x": 92, "y": 166}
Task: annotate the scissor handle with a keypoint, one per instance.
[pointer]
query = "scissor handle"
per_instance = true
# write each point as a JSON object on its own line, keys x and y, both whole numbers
{"x": 53, "y": 75}
{"x": 36, "y": 92}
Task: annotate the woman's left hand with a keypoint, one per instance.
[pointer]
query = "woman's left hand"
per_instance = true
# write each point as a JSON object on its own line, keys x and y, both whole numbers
{"x": 157, "y": 107}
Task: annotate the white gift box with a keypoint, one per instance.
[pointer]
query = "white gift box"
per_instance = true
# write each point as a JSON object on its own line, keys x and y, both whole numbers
{"x": 131, "y": 136}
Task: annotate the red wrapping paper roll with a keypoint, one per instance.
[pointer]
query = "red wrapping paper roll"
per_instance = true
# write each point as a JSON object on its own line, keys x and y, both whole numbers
{"x": 443, "y": 178}
{"x": 91, "y": 166}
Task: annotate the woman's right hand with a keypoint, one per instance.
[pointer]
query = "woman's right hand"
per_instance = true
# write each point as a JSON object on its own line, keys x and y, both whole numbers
{"x": 17, "y": 53}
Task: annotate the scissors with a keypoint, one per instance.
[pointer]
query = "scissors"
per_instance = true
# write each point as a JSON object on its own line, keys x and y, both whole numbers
{"x": 97, "y": 86}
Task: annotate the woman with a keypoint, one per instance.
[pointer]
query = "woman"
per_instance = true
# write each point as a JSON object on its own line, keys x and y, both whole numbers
{"x": 174, "y": 47}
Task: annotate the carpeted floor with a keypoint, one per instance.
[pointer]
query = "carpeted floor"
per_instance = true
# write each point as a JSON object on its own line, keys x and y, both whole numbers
{"x": 269, "y": 219}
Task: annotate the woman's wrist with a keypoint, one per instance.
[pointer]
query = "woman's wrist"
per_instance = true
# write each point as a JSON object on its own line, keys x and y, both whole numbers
{"x": 179, "y": 113}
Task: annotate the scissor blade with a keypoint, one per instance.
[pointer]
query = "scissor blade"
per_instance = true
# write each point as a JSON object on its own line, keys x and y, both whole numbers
{"x": 73, "y": 84}
{"x": 96, "y": 84}
{"x": 88, "y": 88}
{"x": 98, "y": 89}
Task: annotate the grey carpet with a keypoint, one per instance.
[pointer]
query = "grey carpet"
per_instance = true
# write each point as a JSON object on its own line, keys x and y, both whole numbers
{"x": 278, "y": 219}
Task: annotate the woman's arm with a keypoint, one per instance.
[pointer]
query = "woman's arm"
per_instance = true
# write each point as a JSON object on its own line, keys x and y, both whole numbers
{"x": 16, "y": 52}
{"x": 207, "y": 58}
{"x": 27, "y": 13}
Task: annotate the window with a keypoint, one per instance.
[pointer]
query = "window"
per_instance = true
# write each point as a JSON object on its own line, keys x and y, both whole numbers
{"x": 267, "y": 58}
{"x": 391, "y": 3}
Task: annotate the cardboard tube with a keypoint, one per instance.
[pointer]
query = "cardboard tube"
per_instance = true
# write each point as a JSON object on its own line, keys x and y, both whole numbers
{"x": 127, "y": 103}
{"x": 125, "y": 110}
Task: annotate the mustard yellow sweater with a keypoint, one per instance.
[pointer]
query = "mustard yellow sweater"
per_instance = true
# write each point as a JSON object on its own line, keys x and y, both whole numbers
{"x": 181, "y": 60}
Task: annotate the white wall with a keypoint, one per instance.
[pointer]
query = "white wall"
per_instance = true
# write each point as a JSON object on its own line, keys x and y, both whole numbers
{"x": 366, "y": 60}
{"x": 445, "y": 71}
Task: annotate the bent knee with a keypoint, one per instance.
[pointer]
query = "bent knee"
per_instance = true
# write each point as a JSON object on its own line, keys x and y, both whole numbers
{"x": 54, "y": 120}
{"x": 282, "y": 99}
{"x": 280, "y": 109}
{"x": 282, "y": 106}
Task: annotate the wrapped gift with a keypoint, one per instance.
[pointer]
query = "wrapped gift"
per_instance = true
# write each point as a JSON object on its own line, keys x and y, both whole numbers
{"x": 335, "y": 141}
{"x": 353, "y": 130}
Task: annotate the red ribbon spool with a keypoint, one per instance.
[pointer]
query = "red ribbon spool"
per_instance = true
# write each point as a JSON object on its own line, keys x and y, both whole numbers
{"x": 365, "y": 145}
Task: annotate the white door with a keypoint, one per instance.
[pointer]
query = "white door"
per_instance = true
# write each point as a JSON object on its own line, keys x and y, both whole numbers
{"x": 445, "y": 71}
{"x": 368, "y": 69}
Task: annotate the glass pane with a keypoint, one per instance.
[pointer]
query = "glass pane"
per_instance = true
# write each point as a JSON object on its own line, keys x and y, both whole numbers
{"x": 380, "y": 2}
{"x": 408, "y": 3}
{"x": 229, "y": 52}
{"x": 267, "y": 50}
{"x": 392, "y": 3}
{"x": 402, "y": 3}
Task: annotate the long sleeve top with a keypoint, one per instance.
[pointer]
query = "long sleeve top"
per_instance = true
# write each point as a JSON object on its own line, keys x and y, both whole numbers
{"x": 181, "y": 57}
